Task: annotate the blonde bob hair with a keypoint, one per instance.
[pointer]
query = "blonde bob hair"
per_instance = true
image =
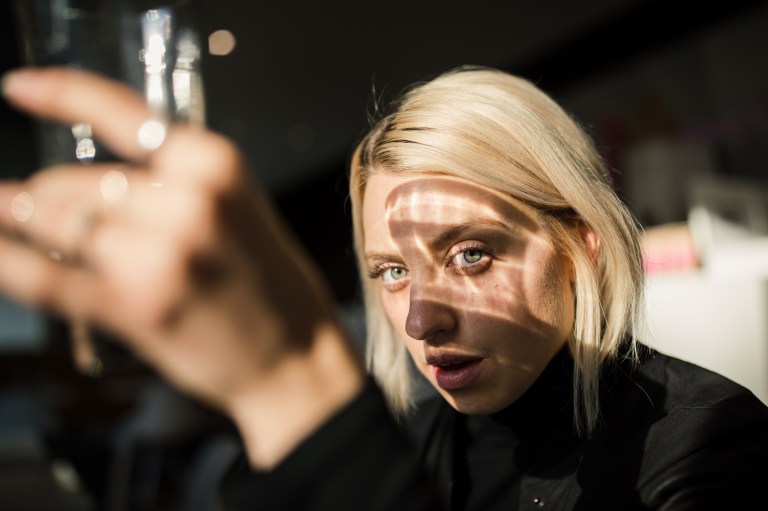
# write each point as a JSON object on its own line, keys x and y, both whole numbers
{"x": 502, "y": 132}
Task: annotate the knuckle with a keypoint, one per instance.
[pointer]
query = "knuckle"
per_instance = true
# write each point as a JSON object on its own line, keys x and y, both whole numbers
{"x": 211, "y": 158}
{"x": 191, "y": 216}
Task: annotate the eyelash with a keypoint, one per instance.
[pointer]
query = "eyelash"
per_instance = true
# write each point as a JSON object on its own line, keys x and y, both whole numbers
{"x": 378, "y": 273}
{"x": 378, "y": 270}
{"x": 471, "y": 268}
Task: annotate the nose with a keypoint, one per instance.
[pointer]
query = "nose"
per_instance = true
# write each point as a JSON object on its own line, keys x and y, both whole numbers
{"x": 430, "y": 315}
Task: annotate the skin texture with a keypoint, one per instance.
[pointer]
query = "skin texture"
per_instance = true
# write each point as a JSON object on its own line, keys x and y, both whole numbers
{"x": 465, "y": 272}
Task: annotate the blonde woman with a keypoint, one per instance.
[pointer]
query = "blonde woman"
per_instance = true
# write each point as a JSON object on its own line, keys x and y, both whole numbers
{"x": 497, "y": 264}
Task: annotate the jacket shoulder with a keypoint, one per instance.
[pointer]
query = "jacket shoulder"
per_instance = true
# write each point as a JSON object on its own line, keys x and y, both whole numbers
{"x": 705, "y": 437}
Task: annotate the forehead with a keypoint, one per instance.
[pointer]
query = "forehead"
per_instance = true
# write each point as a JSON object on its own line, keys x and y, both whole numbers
{"x": 434, "y": 200}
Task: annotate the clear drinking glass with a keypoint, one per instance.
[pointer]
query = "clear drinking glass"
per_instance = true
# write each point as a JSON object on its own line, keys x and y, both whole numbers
{"x": 150, "y": 45}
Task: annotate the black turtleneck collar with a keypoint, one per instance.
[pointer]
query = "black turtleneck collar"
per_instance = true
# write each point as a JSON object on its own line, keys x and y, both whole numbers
{"x": 549, "y": 398}
{"x": 499, "y": 448}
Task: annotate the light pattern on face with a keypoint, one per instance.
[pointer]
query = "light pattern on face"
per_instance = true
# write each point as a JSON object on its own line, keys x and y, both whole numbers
{"x": 471, "y": 282}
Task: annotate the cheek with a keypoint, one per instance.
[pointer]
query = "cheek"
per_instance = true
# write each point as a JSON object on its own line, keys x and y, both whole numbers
{"x": 554, "y": 300}
{"x": 416, "y": 350}
{"x": 395, "y": 306}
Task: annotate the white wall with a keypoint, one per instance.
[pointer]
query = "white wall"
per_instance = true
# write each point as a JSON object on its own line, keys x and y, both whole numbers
{"x": 717, "y": 321}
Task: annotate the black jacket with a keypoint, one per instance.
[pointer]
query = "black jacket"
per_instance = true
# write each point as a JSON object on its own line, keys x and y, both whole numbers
{"x": 672, "y": 436}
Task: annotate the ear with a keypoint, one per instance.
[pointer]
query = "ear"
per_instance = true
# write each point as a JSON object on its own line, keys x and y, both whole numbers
{"x": 590, "y": 238}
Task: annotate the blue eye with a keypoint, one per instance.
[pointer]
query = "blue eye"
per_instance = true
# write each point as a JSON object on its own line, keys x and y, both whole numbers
{"x": 394, "y": 274}
{"x": 469, "y": 259}
{"x": 472, "y": 256}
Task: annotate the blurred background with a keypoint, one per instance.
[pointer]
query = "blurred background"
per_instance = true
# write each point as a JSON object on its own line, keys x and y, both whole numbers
{"x": 675, "y": 95}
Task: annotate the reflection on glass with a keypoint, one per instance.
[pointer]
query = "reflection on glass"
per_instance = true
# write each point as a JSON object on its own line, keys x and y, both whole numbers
{"x": 85, "y": 149}
{"x": 155, "y": 28}
{"x": 154, "y": 51}
{"x": 187, "y": 80}
{"x": 167, "y": 44}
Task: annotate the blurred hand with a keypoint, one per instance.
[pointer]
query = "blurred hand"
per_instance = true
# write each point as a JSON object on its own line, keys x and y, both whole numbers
{"x": 179, "y": 255}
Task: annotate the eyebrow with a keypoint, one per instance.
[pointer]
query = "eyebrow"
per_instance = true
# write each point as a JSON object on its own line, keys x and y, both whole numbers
{"x": 449, "y": 235}
{"x": 376, "y": 258}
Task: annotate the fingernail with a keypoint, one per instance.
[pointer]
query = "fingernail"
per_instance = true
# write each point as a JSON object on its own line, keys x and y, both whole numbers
{"x": 12, "y": 81}
{"x": 5, "y": 81}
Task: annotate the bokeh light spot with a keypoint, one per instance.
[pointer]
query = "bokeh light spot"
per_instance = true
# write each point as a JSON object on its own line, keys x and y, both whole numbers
{"x": 221, "y": 42}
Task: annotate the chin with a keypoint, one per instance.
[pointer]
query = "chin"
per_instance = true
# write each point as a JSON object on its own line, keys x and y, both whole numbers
{"x": 484, "y": 398}
{"x": 472, "y": 404}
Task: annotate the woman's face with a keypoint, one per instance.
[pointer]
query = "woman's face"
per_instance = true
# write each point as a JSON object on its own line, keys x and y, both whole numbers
{"x": 471, "y": 282}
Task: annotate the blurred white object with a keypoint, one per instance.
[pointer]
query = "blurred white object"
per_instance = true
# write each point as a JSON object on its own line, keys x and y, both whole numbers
{"x": 717, "y": 315}
{"x": 720, "y": 324}
{"x": 728, "y": 221}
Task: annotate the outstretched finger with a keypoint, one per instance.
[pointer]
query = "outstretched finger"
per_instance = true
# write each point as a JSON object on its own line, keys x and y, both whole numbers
{"x": 35, "y": 279}
{"x": 115, "y": 111}
{"x": 118, "y": 116}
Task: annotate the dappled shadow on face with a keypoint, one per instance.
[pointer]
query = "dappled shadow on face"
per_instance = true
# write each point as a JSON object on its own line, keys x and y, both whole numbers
{"x": 484, "y": 282}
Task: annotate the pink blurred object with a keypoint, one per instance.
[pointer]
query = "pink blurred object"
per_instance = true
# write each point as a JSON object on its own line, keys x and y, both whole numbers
{"x": 669, "y": 247}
